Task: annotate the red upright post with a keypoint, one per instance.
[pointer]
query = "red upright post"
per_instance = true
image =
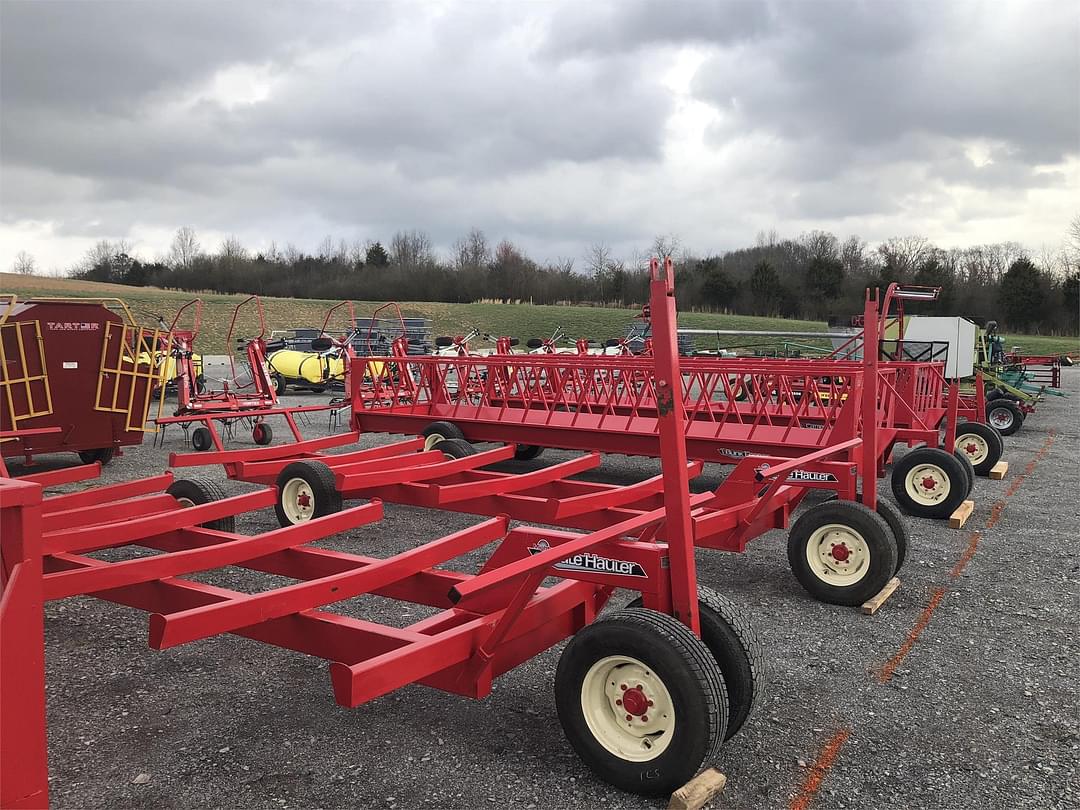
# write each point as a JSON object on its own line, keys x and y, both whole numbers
{"x": 870, "y": 401}
{"x": 24, "y": 769}
{"x": 671, "y": 413}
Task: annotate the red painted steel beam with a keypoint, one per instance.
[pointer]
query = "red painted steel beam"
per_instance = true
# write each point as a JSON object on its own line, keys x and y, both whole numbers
{"x": 24, "y": 776}
{"x": 232, "y": 550}
{"x": 90, "y": 538}
{"x": 108, "y": 493}
{"x": 347, "y": 480}
{"x": 179, "y": 628}
{"x": 308, "y": 446}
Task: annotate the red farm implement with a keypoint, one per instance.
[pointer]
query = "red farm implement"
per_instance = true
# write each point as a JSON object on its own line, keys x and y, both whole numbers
{"x": 247, "y": 396}
{"x": 80, "y": 366}
{"x": 441, "y": 470}
{"x": 734, "y": 407}
{"x": 646, "y": 694}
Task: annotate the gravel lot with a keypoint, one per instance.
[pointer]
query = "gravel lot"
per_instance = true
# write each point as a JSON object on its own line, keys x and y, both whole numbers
{"x": 982, "y": 711}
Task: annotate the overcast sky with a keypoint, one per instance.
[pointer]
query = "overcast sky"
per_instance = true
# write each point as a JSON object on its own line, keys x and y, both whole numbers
{"x": 555, "y": 125}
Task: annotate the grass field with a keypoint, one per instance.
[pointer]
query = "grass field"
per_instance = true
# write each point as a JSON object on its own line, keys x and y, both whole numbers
{"x": 523, "y": 321}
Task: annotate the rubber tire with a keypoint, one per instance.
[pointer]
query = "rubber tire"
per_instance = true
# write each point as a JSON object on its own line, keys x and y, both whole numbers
{"x": 262, "y": 434}
{"x": 445, "y": 430}
{"x": 993, "y": 394}
{"x": 200, "y": 384}
{"x": 896, "y": 523}
{"x": 990, "y": 435}
{"x": 527, "y": 452}
{"x": 730, "y": 636}
{"x": 280, "y": 386}
{"x": 323, "y": 488}
{"x": 969, "y": 470}
{"x": 954, "y": 470}
{"x": 201, "y": 439}
{"x": 199, "y": 491}
{"x": 875, "y": 532}
{"x": 1008, "y": 405}
{"x": 102, "y": 455}
{"x": 688, "y": 671}
{"x": 455, "y": 448}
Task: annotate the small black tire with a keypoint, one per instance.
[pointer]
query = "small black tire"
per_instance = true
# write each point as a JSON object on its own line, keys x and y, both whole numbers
{"x": 455, "y": 448}
{"x": 262, "y": 433}
{"x": 306, "y": 490}
{"x": 969, "y": 470}
{"x": 647, "y": 648}
{"x": 1004, "y": 415}
{"x": 440, "y": 431}
{"x": 860, "y": 571}
{"x": 102, "y": 455}
{"x": 280, "y": 386}
{"x": 926, "y": 501}
{"x": 201, "y": 439}
{"x": 982, "y": 444}
{"x": 527, "y": 452}
{"x": 730, "y": 636}
{"x": 196, "y": 491}
{"x": 993, "y": 394}
{"x": 200, "y": 384}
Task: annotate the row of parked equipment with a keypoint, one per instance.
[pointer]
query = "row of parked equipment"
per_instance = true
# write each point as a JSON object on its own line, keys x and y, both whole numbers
{"x": 646, "y": 694}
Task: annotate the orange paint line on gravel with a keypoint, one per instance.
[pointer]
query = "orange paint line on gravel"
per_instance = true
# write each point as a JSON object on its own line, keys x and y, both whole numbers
{"x": 969, "y": 552}
{"x": 886, "y": 671}
{"x": 820, "y": 768}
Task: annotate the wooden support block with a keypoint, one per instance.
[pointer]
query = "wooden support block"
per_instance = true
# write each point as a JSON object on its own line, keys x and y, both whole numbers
{"x": 997, "y": 472}
{"x": 870, "y": 606}
{"x": 961, "y": 515}
{"x": 699, "y": 791}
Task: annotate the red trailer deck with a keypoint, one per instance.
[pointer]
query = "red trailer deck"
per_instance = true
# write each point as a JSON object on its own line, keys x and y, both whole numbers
{"x": 734, "y": 407}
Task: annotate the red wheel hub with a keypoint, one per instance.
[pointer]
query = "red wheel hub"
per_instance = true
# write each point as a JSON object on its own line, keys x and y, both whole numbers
{"x": 841, "y": 552}
{"x": 971, "y": 448}
{"x": 635, "y": 702}
{"x": 303, "y": 500}
{"x": 928, "y": 483}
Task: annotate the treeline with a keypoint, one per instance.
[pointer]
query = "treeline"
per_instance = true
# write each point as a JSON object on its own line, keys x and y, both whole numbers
{"x": 809, "y": 277}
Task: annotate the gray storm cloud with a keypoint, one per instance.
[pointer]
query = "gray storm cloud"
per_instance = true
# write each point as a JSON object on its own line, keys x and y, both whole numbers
{"x": 557, "y": 124}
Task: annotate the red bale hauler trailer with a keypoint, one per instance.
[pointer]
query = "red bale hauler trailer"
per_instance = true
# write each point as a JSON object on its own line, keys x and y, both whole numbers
{"x": 79, "y": 365}
{"x": 646, "y": 695}
{"x": 845, "y": 564}
{"x": 734, "y": 406}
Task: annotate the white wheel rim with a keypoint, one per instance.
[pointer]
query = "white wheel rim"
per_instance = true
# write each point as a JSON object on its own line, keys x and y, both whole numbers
{"x": 433, "y": 439}
{"x": 838, "y": 555}
{"x": 927, "y": 484}
{"x": 973, "y": 446}
{"x": 297, "y": 500}
{"x": 627, "y": 708}
{"x": 185, "y": 502}
{"x": 1001, "y": 418}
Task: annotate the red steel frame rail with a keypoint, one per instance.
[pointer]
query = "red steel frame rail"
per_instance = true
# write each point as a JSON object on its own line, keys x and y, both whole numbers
{"x": 488, "y": 623}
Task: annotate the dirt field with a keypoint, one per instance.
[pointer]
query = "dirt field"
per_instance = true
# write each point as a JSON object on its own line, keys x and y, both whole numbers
{"x": 960, "y": 693}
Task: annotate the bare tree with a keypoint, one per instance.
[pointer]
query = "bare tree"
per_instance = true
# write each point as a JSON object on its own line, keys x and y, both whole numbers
{"x": 1072, "y": 243}
{"x": 25, "y": 264}
{"x": 904, "y": 254}
{"x": 411, "y": 249}
{"x": 665, "y": 246}
{"x": 185, "y": 247}
{"x": 231, "y": 249}
{"x": 472, "y": 251}
{"x": 598, "y": 258}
